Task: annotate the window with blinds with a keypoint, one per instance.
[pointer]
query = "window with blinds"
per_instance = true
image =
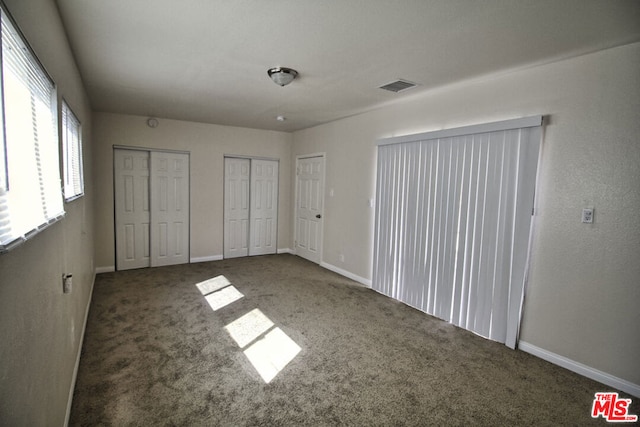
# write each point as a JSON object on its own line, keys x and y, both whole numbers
{"x": 31, "y": 196}
{"x": 453, "y": 219}
{"x": 72, "y": 154}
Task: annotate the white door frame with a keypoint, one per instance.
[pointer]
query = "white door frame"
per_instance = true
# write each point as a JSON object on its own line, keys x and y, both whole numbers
{"x": 295, "y": 204}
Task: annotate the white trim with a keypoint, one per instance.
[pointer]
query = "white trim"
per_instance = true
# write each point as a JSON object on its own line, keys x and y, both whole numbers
{"x": 105, "y": 269}
{"x": 206, "y": 258}
{"x": 158, "y": 150}
{"x": 524, "y": 122}
{"x": 285, "y": 251}
{"x": 579, "y": 368}
{"x": 74, "y": 376}
{"x": 347, "y": 274}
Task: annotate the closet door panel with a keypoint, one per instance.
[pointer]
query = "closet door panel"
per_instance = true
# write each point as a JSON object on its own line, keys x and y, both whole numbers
{"x": 264, "y": 207}
{"x": 236, "y": 207}
{"x": 169, "y": 208}
{"x": 131, "y": 193}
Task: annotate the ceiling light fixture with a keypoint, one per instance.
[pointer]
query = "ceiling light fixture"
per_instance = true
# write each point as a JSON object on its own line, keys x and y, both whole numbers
{"x": 282, "y": 76}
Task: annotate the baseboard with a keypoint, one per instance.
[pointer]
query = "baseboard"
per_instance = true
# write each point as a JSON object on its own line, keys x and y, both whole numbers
{"x": 206, "y": 258}
{"x": 345, "y": 273}
{"x": 74, "y": 377}
{"x": 579, "y": 368}
{"x": 106, "y": 269}
{"x": 285, "y": 251}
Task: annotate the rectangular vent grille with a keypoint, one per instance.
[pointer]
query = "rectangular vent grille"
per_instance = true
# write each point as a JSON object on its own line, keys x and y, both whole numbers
{"x": 398, "y": 86}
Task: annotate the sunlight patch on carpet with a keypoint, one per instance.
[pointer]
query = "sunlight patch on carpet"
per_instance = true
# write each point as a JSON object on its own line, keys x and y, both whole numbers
{"x": 249, "y": 327}
{"x": 213, "y": 284}
{"x": 267, "y": 347}
{"x": 223, "y": 297}
{"x": 272, "y": 353}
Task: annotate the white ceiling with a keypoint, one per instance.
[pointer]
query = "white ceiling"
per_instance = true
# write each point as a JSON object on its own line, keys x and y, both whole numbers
{"x": 207, "y": 60}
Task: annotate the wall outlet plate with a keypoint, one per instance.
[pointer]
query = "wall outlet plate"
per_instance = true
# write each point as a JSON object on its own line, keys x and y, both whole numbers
{"x": 587, "y": 216}
{"x": 67, "y": 283}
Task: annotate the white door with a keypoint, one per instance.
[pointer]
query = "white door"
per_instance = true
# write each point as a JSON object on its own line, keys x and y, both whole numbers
{"x": 131, "y": 191}
{"x": 169, "y": 208}
{"x": 236, "y": 207}
{"x": 309, "y": 202}
{"x": 263, "y": 227}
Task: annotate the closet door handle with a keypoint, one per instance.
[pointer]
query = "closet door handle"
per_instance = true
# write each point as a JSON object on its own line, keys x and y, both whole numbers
{"x": 318, "y": 216}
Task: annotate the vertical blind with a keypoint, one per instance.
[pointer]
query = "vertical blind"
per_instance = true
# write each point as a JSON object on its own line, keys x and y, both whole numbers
{"x": 72, "y": 154}
{"x": 32, "y": 195}
{"x": 453, "y": 219}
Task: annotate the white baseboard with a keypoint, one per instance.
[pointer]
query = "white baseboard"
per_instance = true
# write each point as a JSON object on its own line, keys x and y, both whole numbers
{"x": 105, "y": 269}
{"x": 285, "y": 251}
{"x": 74, "y": 376}
{"x": 579, "y": 368}
{"x": 206, "y": 258}
{"x": 345, "y": 273}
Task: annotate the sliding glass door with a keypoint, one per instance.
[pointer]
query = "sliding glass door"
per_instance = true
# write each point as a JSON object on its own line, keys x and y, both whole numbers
{"x": 452, "y": 223}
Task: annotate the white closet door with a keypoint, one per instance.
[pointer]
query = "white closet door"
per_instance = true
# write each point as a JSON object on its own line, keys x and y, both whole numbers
{"x": 236, "y": 207}
{"x": 131, "y": 181}
{"x": 169, "y": 208}
{"x": 309, "y": 200}
{"x": 264, "y": 207}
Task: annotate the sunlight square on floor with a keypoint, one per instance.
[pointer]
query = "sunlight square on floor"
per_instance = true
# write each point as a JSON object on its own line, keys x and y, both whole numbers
{"x": 272, "y": 353}
{"x": 248, "y": 327}
{"x": 223, "y": 297}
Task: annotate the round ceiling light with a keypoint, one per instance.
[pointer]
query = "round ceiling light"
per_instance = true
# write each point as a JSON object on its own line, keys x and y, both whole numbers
{"x": 282, "y": 76}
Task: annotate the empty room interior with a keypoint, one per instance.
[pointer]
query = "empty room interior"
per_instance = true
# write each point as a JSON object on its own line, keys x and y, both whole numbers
{"x": 304, "y": 212}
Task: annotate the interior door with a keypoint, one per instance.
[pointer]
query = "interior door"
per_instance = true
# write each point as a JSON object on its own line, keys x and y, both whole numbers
{"x": 131, "y": 192}
{"x": 236, "y": 207}
{"x": 169, "y": 208}
{"x": 309, "y": 202}
{"x": 263, "y": 227}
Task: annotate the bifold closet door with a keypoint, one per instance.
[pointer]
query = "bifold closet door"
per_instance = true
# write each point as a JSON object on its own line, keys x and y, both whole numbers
{"x": 151, "y": 191}
{"x": 169, "y": 208}
{"x": 263, "y": 213}
{"x": 236, "y": 207}
{"x": 131, "y": 192}
{"x": 250, "y": 207}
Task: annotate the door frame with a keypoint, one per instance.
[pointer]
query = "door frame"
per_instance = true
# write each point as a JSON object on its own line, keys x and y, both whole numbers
{"x": 148, "y": 150}
{"x": 295, "y": 202}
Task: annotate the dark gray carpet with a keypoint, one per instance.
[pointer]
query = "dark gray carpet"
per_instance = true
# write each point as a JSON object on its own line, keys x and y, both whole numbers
{"x": 155, "y": 353}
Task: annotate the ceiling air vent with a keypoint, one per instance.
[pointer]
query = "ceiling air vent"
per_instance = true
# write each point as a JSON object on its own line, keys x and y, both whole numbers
{"x": 398, "y": 86}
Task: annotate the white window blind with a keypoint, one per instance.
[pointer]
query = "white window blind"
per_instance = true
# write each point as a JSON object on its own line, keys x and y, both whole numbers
{"x": 32, "y": 196}
{"x": 72, "y": 154}
{"x": 453, "y": 220}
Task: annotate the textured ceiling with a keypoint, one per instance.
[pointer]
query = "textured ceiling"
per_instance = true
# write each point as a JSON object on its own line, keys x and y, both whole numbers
{"x": 207, "y": 60}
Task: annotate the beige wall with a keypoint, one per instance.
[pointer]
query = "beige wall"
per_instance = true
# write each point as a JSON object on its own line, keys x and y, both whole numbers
{"x": 40, "y": 327}
{"x": 584, "y": 289}
{"x": 208, "y": 144}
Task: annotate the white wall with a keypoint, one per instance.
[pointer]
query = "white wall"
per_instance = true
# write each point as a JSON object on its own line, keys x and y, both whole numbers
{"x": 584, "y": 290}
{"x": 40, "y": 327}
{"x": 208, "y": 144}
